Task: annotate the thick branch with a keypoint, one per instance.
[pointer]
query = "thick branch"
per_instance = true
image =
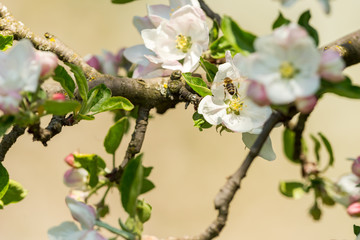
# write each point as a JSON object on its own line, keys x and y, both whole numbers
{"x": 9, "y": 140}
{"x": 44, "y": 135}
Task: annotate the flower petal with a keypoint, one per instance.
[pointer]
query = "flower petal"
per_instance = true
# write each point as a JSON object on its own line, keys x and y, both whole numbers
{"x": 82, "y": 213}
{"x": 212, "y": 112}
{"x": 266, "y": 151}
{"x": 63, "y": 231}
{"x": 142, "y": 23}
{"x": 136, "y": 54}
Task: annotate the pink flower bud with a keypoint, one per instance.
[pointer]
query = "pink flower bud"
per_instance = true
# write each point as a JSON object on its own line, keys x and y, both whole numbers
{"x": 306, "y": 105}
{"x": 93, "y": 61}
{"x": 69, "y": 159}
{"x": 76, "y": 178}
{"x": 354, "y": 209}
{"x": 331, "y": 66}
{"x": 356, "y": 167}
{"x": 256, "y": 91}
{"x": 48, "y": 61}
{"x": 58, "y": 97}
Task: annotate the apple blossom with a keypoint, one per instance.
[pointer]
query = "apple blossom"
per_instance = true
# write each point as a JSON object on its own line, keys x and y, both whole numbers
{"x": 82, "y": 213}
{"x": 69, "y": 159}
{"x": 76, "y": 178}
{"x": 348, "y": 192}
{"x": 306, "y": 105}
{"x": 256, "y": 91}
{"x": 355, "y": 167}
{"x": 58, "y": 97}
{"x": 237, "y": 111}
{"x": 48, "y": 61}
{"x": 19, "y": 71}
{"x": 107, "y": 62}
{"x": 354, "y": 209}
{"x": 286, "y": 63}
{"x": 331, "y": 66}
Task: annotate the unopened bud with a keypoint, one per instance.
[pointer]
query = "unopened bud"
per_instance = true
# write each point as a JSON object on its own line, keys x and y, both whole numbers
{"x": 354, "y": 209}
{"x": 48, "y": 61}
{"x": 69, "y": 159}
{"x": 93, "y": 61}
{"x": 356, "y": 167}
{"x": 306, "y": 105}
{"x": 331, "y": 66}
{"x": 76, "y": 178}
{"x": 256, "y": 91}
{"x": 58, "y": 97}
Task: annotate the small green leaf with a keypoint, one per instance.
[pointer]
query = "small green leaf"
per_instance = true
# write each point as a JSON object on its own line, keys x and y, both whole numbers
{"x": 197, "y": 84}
{"x": 209, "y": 68}
{"x": 220, "y": 46}
{"x": 92, "y": 163}
{"x": 126, "y": 235}
{"x": 85, "y": 117}
{"x": 143, "y": 211}
{"x": 6, "y": 42}
{"x": 317, "y": 147}
{"x": 61, "y": 107}
{"x": 200, "y": 122}
{"x": 356, "y": 229}
{"x": 81, "y": 81}
{"x": 97, "y": 96}
{"x": 147, "y": 186}
{"x": 241, "y": 40}
{"x": 5, "y": 123}
{"x": 344, "y": 88}
{"x": 131, "y": 184}
{"x": 4, "y": 180}
{"x": 67, "y": 83}
{"x": 315, "y": 212}
{"x": 292, "y": 189}
{"x": 289, "y": 140}
{"x": 328, "y": 148}
{"x": 121, "y": 1}
{"x": 304, "y": 22}
{"x": 14, "y": 194}
{"x": 115, "y": 134}
{"x": 214, "y": 32}
{"x": 113, "y": 103}
{"x": 281, "y": 20}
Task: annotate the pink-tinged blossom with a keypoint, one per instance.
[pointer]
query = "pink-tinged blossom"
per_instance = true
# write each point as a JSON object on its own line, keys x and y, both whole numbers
{"x": 347, "y": 192}
{"x": 76, "y": 178}
{"x": 236, "y": 111}
{"x": 48, "y": 62}
{"x": 332, "y": 66}
{"x": 306, "y": 105}
{"x": 355, "y": 167}
{"x": 19, "y": 72}
{"x": 354, "y": 209}
{"x": 256, "y": 91}
{"x": 286, "y": 63}
{"x": 93, "y": 61}
{"x": 58, "y": 97}
{"x": 107, "y": 62}
{"x": 82, "y": 213}
{"x": 69, "y": 159}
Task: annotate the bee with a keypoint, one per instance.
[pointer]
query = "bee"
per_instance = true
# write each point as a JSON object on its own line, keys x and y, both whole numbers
{"x": 230, "y": 87}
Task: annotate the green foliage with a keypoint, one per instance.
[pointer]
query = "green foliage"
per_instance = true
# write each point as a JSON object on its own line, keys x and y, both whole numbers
{"x": 134, "y": 225}
{"x": 92, "y": 163}
{"x": 113, "y": 103}
{"x": 281, "y": 20}
{"x": 121, "y": 1}
{"x": 220, "y": 46}
{"x": 315, "y": 211}
{"x": 214, "y": 32}
{"x": 289, "y": 140}
{"x": 115, "y": 134}
{"x": 356, "y": 229}
{"x": 200, "y": 122}
{"x": 80, "y": 81}
{"x": 5, "y": 123}
{"x": 6, "y": 42}
{"x": 67, "y": 83}
{"x": 209, "y": 68}
{"x": 304, "y": 22}
{"x": 124, "y": 234}
{"x": 96, "y": 97}
{"x": 143, "y": 211}
{"x": 4, "y": 180}
{"x": 15, "y": 193}
{"x": 197, "y": 84}
{"x": 61, "y": 107}
{"x": 292, "y": 189}
{"x": 328, "y": 148}
{"x": 242, "y": 41}
{"x": 344, "y": 88}
{"x": 317, "y": 147}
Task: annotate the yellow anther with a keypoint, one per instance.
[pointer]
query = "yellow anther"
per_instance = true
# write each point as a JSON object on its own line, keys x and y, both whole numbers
{"x": 52, "y": 39}
{"x": 287, "y": 70}
{"x": 183, "y": 43}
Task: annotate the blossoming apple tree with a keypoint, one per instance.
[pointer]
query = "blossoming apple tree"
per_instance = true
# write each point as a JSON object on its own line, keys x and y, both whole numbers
{"x": 237, "y": 82}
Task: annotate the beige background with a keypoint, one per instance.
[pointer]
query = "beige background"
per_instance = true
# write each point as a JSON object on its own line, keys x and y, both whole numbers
{"x": 190, "y": 166}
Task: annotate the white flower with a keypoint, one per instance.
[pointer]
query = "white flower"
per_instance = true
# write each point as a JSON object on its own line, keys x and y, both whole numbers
{"x": 331, "y": 66}
{"x": 76, "y": 178}
{"x": 348, "y": 190}
{"x": 19, "y": 71}
{"x": 82, "y": 213}
{"x": 232, "y": 108}
{"x": 287, "y": 63}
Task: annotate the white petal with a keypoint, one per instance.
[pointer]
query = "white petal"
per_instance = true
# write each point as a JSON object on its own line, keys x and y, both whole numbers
{"x": 237, "y": 123}
{"x": 212, "y": 112}
{"x": 136, "y": 54}
{"x": 304, "y": 87}
{"x": 63, "y": 231}
{"x": 280, "y": 92}
{"x": 142, "y": 23}
{"x": 266, "y": 151}
{"x": 82, "y": 213}
{"x": 149, "y": 36}
{"x": 158, "y": 13}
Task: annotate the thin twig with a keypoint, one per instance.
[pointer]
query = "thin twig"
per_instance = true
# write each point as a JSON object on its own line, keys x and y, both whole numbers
{"x": 9, "y": 140}
{"x": 209, "y": 12}
{"x": 44, "y": 135}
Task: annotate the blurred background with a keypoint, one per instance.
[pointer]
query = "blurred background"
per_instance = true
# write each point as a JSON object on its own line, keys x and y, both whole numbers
{"x": 189, "y": 166}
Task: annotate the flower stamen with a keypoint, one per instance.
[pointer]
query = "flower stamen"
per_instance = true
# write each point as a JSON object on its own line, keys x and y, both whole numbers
{"x": 235, "y": 105}
{"x": 287, "y": 70}
{"x": 183, "y": 43}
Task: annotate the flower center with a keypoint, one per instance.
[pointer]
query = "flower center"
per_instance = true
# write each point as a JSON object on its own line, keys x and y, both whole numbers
{"x": 287, "y": 70}
{"x": 235, "y": 105}
{"x": 183, "y": 43}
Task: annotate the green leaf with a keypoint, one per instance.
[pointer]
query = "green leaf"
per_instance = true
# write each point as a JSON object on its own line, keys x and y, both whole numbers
{"x": 356, "y": 230}
{"x": 197, "y": 84}
{"x": 119, "y": 232}
{"x": 281, "y": 20}
{"x": 289, "y": 140}
{"x": 143, "y": 211}
{"x": 292, "y": 189}
{"x": 147, "y": 186}
{"x": 92, "y": 163}
{"x": 4, "y": 181}
{"x": 67, "y": 83}
{"x": 200, "y": 122}
{"x": 241, "y": 40}
{"x": 209, "y": 68}
{"x": 315, "y": 212}
{"x": 84, "y": 117}
{"x": 97, "y": 96}
{"x": 5, "y": 123}
{"x": 61, "y": 107}
{"x": 81, "y": 81}
{"x": 131, "y": 184}
{"x": 328, "y": 148}
{"x": 115, "y": 134}
{"x": 344, "y": 88}
{"x": 14, "y": 194}
{"x": 6, "y": 42}
{"x": 113, "y": 103}
{"x": 220, "y": 46}
{"x": 214, "y": 32}
{"x": 121, "y": 1}
{"x": 304, "y": 22}
{"x": 317, "y": 147}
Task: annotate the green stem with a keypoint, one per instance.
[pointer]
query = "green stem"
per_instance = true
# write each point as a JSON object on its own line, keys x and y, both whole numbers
{"x": 95, "y": 190}
{"x": 119, "y": 232}
{"x": 113, "y": 160}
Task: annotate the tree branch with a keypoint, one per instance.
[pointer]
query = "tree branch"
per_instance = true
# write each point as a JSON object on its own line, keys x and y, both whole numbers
{"x": 44, "y": 135}
{"x": 9, "y": 140}
{"x": 209, "y": 12}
